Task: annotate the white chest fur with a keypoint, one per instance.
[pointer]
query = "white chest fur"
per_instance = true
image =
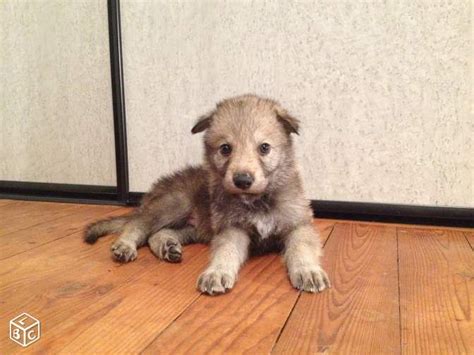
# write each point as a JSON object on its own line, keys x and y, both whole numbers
{"x": 265, "y": 225}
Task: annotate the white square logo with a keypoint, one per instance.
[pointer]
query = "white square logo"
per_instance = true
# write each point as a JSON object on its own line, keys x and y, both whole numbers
{"x": 25, "y": 329}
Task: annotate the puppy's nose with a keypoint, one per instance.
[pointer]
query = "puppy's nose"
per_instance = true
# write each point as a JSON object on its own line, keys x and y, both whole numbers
{"x": 243, "y": 180}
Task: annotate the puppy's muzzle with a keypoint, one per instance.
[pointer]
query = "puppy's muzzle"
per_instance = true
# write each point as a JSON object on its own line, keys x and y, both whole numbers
{"x": 243, "y": 181}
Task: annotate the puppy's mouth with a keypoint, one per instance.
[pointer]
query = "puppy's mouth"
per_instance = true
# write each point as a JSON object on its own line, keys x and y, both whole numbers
{"x": 247, "y": 197}
{"x": 243, "y": 193}
{"x": 252, "y": 193}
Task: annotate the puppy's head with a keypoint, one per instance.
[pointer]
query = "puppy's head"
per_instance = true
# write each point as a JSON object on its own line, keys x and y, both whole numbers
{"x": 247, "y": 140}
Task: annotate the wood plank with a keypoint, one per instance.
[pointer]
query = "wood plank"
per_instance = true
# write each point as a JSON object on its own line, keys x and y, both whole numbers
{"x": 50, "y": 264}
{"x": 436, "y": 292}
{"x": 44, "y": 233}
{"x": 147, "y": 307}
{"x": 470, "y": 238}
{"x": 360, "y": 314}
{"x": 324, "y": 228}
{"x": 23, "y": 215}
{"x": 66, "y": 261}
{"x": 70, "y": 285}
{"x": 395, "y": 224}
{"x": 124, "y": 319}
{"x": 16, "y": 209}
{"x": 87, "y": 303}
{"x": 4, "y": 202}
{"x": 248, "y": 319}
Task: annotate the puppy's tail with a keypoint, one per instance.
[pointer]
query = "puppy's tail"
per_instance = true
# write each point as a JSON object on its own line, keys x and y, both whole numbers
{"x": 106, "y": 226}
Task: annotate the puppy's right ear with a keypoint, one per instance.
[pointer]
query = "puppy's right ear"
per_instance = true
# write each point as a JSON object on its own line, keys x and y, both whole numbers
{"x": 290, "y": 123}
{"x": 202, "y": 123}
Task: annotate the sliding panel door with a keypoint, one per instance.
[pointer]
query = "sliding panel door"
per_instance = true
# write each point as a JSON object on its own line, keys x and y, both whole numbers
{"x": 55, "y": 93}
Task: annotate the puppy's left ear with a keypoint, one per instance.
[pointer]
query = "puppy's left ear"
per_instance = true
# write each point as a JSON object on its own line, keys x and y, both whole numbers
{"x": 202, "y": 123}
{"x": 290, "y": 123}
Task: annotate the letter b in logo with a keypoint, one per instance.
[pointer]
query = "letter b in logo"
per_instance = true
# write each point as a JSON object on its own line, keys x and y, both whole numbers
{"x": 16, "y": 333}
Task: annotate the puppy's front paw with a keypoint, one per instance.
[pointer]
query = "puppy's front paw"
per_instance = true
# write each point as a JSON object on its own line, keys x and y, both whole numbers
{"x": 123, "y": 251}
{"x": 309, "y": 279}
{"x": 215, "y": 282}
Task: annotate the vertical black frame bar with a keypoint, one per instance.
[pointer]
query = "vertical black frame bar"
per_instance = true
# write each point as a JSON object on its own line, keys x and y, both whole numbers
{"x": 78, "y": 193}
{"x": 118, "y": 100}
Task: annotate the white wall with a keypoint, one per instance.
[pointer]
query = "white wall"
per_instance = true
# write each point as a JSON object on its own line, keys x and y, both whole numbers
{"x": 56, "y": 122}
{"x": 383, "y": 89}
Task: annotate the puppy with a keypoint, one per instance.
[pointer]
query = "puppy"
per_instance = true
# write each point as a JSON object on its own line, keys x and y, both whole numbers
{"x": 246, "y": 198}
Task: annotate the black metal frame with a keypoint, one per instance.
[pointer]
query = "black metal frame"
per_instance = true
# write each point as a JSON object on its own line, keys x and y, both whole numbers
{"x": 91, "y": 193}
{"x": 120, "y": 194}
{"x": 118, "y": 97}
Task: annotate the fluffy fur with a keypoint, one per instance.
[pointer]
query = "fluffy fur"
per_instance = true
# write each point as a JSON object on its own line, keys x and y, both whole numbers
{"x": 247, "y": 197}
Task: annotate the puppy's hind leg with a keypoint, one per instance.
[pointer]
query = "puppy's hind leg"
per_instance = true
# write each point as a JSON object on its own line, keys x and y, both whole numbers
{"x": 134, "y": 235}
{"x": 103, "y": 227}
{"x": 167, "y": 243}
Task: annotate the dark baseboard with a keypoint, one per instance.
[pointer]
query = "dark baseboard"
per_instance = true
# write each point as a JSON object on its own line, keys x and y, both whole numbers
{"x": 38, "y": 191}
{"x": 360, "y": 211}
{"x": 392, "y": 213}
{"x": 134, "y": 198}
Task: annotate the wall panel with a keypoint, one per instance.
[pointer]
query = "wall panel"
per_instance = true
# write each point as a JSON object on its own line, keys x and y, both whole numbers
{"x": 383, "y": 89}
{"x": 55, "y": 96}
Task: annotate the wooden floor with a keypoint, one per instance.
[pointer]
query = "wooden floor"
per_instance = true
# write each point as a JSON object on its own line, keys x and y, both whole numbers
{"x": 396, "y": 289}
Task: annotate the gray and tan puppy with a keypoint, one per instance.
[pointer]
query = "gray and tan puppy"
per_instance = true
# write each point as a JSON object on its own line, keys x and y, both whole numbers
{"x": 246, "y": 198}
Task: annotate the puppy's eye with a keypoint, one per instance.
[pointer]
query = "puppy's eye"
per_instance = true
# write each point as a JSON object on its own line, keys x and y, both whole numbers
{"x": 225, "y": 149}
{"x": 264, "y": 148}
